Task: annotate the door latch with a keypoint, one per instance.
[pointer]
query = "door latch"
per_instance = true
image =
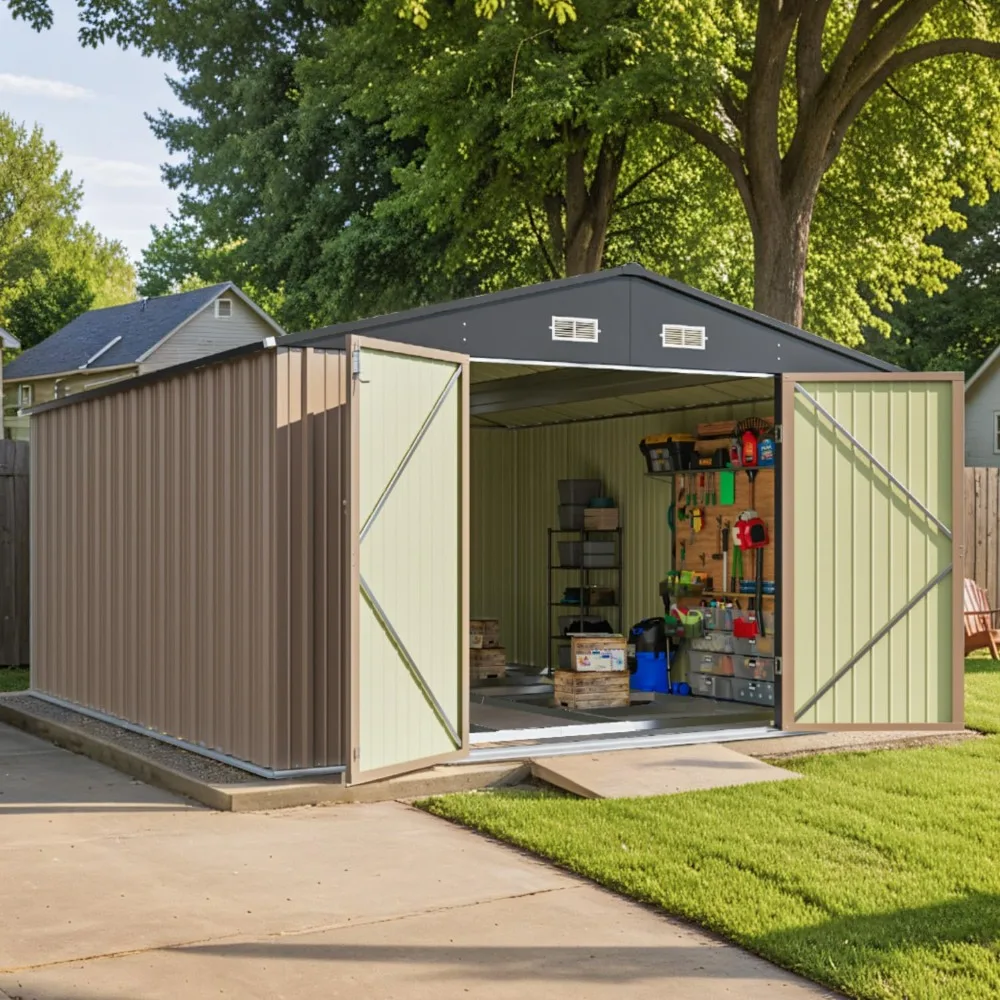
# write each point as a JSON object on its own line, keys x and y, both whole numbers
{"x": 356, "y": 366}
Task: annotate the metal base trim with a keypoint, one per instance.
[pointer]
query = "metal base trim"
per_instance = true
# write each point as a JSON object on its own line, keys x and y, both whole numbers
{"x": 216, "y": 755}
{"x": 559, "y": 748}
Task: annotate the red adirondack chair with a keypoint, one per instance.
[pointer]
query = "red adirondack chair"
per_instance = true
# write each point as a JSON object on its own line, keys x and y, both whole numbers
{"x": 979, "y": 630}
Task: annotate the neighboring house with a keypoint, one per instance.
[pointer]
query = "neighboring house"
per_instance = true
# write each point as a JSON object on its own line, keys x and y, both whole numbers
{"x": 982, "y": 414}
{"x": 8, "y": 342}
{"x": 107, "y": 345}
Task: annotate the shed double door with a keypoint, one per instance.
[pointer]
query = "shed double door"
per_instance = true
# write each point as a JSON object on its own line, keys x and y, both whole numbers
{"x": 871, "y": 560}
{"x": 408, "y": 522}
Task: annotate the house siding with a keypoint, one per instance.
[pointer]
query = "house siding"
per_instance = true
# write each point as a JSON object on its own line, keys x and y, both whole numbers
{"x": 980, "y": 405}
{"x": 203, "y": 335}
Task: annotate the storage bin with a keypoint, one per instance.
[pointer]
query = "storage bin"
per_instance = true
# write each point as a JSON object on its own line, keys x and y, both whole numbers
{"x": 707, "y": 686}
{"x": 599, "y": 554}
{"x": 713, "y": 642}
{"x": 593, "y": 596}
{"x": 763, "y": 645}
{"x": 651, "y": 673}
{"x": 754, "y": 692}
{"x": 600, "y": 518}
{"x": 753, "y": 668}
{"x": 570, "y": 554}
{"x": 571, "y": 516}
{"x": 579, "y": 491}
{"x": 720, "y": 664}
{"x": 719, "y": 619}
{"x": 590, "y": 624}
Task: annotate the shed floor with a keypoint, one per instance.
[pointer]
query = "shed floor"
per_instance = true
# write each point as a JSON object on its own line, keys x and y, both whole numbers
{"x": 520, "y": 703}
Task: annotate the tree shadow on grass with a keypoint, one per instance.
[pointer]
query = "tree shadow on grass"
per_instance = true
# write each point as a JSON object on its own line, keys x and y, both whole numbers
{"x": 907, "y": 948}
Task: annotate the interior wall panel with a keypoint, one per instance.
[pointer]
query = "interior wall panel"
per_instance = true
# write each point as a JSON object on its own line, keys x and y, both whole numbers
{"x": 514, "y": 500}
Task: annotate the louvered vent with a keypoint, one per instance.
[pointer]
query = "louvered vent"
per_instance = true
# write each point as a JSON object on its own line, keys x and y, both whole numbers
{"x": 584, "y": 331}
{"x": 691, "y": 338}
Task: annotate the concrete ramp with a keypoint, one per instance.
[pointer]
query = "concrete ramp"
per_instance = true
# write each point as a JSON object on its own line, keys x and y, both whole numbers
{"x": 625, "y": 774}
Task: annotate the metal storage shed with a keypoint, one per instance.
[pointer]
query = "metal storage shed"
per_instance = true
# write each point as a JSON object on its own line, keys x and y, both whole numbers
{"x": 266, "y": 554}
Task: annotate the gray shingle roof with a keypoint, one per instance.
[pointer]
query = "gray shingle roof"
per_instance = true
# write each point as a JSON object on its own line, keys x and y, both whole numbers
{"x": 140, "y": 329}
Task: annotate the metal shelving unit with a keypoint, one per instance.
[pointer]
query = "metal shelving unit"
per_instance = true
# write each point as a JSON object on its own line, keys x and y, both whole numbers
{"x": 584, "y": 608}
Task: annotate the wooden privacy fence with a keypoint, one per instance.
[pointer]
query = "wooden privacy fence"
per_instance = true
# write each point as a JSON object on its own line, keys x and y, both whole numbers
{"x": 982, "y": 529}
{"x": 14, "y": 548}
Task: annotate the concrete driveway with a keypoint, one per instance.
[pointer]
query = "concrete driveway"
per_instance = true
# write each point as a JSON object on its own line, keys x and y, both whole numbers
{"x": 112, "y": 890}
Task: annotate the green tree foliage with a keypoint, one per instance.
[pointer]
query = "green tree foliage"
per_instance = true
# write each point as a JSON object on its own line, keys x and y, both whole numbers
{"x": 959, "y": 328}
{"x": 52, "y": 267}
{"x": 756, "y": 148}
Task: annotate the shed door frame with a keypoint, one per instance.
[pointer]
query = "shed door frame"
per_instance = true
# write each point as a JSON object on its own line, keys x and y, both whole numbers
{"x": 790, "y": 385}
{"x": 353, "y": 526}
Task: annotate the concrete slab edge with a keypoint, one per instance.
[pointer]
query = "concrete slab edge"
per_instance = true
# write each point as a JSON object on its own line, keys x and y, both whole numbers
{"x": 122, "y": 760}
{"x": 263, "y": 795}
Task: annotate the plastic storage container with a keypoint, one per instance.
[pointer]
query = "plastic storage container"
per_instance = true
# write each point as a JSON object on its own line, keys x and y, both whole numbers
{"x": 708, "y": 686}
{"x": 753, "y": 668}
{"x": 651, "y": 673}
{"x": 599, "y": 554}
{"x": 579, "y": 491}
{"x": 570, "y": 554}
{"x": 762, "y": 645}
{"x": 714, "y": 642}
{"x": 754, "y": 692}
{"x": 720, "y": 664}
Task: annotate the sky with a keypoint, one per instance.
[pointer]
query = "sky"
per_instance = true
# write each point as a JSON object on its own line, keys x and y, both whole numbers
{"x": 91, "y": 102}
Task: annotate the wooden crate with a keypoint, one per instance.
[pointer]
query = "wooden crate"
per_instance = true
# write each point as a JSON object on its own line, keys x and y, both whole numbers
{"x": 486, "y": 663}
{"x": 600, "y": 518}
{"x": 573, "y": 689}
{"x": 484, "y": 633}
{"x": 598, "y": 654}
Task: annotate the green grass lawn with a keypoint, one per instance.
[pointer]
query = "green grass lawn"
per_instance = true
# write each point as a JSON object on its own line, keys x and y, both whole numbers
{"x": 13, "y": 679}
{"x": 877, "y": 874}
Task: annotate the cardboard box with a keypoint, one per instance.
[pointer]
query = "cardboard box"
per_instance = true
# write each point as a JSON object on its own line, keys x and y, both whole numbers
{"x": 598, "y": 653}
{"x": 594, "y": 690}
{"x": 600, "y": 518}
{"x": 484, "y": 633}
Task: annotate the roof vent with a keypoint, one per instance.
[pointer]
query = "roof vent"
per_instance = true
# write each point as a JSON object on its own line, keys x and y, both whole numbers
{"x": 584, "y": 331}
{"x": 690, "y": 338}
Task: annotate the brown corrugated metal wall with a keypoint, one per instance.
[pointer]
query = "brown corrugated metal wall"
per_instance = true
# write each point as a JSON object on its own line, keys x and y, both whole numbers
{"x": 179, "y": 528}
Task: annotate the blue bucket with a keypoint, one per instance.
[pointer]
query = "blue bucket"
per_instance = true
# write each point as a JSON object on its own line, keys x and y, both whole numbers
{"x": 651, "y": 673}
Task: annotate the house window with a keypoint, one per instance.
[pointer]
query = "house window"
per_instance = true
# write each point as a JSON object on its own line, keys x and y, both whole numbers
{"x": 996, "y": 432}
{"x": 24, "y": 396}
{"x": 223, "y": 308}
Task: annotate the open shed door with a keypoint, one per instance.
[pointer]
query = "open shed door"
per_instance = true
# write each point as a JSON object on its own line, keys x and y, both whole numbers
{"x": 871, "y": 564}
{"x": 409, "y": 526}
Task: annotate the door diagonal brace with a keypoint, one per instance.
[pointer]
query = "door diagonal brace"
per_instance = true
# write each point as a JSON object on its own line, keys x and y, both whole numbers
{"x": 418, "y": 677}
{"x": 944, "y": 529}
{"x": 401, "y": 468}
{"x": 870, "y": 644}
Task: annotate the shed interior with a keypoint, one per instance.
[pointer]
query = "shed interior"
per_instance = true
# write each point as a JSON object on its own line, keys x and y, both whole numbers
{"x": 535, "y": 425}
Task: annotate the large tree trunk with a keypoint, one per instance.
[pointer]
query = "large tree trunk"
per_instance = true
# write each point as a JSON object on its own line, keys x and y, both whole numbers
{"x": 781, "y": 247}
{"x": 579, "y": 218}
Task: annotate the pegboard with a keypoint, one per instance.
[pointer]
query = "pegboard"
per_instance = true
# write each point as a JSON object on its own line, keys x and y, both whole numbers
{"x": 706, "y": 542}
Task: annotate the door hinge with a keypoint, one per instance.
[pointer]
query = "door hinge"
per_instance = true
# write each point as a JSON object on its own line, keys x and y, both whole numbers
{"x": 777, "y": 666}
{"x": 777, "y": 433}
{"x": 356, "y": 754}
{"x": 356, "y": 366}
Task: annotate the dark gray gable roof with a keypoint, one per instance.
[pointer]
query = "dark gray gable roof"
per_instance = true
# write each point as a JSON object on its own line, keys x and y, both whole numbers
{"x": 140, "y": 329}
{"x": 631, "y": 304}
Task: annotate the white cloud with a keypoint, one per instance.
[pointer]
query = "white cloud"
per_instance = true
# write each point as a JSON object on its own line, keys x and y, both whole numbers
{"x": 36, "y": 86}
{"x": 93, "y": 170}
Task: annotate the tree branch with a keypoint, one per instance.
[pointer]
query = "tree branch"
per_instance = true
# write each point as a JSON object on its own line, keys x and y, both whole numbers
{"x": 900, "y": 61}
{"x": 809, "y": 73}
{"x": 541, "y": 243}
{"x": 645, "y": 175}
{"x": 728, "y": 155}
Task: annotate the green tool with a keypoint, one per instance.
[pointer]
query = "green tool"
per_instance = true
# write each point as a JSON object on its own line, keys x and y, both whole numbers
{"x": 727, "y": 488}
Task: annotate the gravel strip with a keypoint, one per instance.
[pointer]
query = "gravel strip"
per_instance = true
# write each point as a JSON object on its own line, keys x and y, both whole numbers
{"x": 191, "y": 764}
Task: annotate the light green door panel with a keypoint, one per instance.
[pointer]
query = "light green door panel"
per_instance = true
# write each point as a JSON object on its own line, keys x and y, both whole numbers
{"x": 869, "y": 489}
{"x": 410, "y": 462}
